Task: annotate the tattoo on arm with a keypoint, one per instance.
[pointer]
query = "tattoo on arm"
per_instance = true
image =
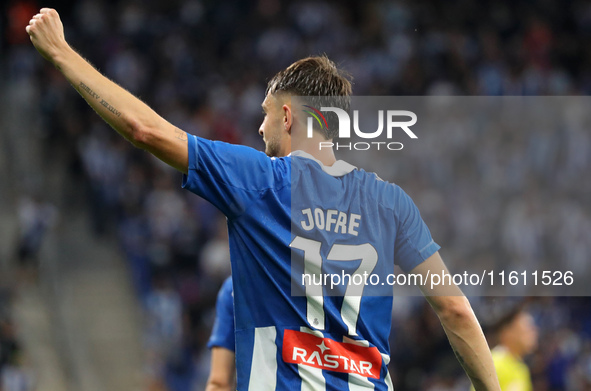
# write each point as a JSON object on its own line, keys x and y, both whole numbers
{"x": 110, "y": 108}
{"x": 89, "y": 91}
{"x": 459, "y": 357}
{"x": 180, "y": 134}
{"x": 476, "y": 382}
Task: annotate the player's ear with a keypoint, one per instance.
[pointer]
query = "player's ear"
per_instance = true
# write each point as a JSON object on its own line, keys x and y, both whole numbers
{"x": 287, "y": 118}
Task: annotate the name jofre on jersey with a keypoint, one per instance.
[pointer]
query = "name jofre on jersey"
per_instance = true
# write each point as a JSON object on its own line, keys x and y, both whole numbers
{"x": 330, "y": 220}
{"x": 325, "y": 353}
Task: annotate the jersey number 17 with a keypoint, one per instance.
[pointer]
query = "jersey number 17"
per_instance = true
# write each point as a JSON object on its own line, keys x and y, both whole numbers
{"x": 353, "y": 293}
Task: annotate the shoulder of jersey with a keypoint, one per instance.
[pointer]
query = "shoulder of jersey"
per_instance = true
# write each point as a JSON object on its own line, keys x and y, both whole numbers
{"x": 378, "y": 178}
{"x": 375, "y": 176}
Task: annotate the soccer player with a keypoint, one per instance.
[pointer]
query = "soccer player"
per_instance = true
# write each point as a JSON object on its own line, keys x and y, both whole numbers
{"x": 517, "y": 337}
{"x": 286, "y": 342}
{"x": 222, "y": 374}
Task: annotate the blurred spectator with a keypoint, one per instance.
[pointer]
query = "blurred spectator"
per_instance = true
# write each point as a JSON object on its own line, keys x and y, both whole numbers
{"x": 515, "y": 337}
{"x": 35, "y": 217}
{"x": 15, "y": 374}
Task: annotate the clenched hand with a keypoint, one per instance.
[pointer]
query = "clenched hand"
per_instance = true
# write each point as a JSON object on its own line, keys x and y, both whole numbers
{"x": 47, "y": 33}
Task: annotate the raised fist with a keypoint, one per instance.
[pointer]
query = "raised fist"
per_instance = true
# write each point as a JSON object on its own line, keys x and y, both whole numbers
{"x": 47, "y": 33}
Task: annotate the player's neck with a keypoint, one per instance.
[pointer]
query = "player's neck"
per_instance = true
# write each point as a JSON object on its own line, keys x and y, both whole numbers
{"x": 325, "y": 155}
{"x": 514, "y": 351}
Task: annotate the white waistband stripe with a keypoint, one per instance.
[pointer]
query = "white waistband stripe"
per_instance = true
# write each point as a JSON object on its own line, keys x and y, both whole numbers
{"x": 263, "y": 371}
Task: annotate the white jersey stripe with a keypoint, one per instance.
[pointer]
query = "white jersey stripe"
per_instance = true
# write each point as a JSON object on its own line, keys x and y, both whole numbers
{"x": 312, "y": 378}
{"x": 263, "y": 370}
{"x": 388, "y": 379}
{"x": 389, "y": 382}
{"x": 358, "y": 382}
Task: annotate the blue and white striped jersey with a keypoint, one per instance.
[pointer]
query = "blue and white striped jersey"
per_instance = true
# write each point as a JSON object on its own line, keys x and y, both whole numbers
{"x": 292, "y": 216}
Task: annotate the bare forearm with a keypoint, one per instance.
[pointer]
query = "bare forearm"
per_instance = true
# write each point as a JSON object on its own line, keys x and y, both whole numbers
{"x": 471, "y": 349}
{"x": 120, "y": 109}
{"x": 461, "y": 326}
{"x": 223, "y": 369}
{"x": 218, "y": 387}
{"x": 128, "y": 115}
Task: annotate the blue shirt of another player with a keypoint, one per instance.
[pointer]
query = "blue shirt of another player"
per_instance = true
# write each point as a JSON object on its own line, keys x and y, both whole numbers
{"x": 222, "y": 334}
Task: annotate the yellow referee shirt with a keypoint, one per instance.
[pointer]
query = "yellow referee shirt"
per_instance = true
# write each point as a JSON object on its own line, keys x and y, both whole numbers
{"x": 513, "y": 373}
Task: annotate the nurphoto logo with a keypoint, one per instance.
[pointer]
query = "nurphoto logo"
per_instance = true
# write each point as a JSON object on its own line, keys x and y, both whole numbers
{"x": 394, "y": 119}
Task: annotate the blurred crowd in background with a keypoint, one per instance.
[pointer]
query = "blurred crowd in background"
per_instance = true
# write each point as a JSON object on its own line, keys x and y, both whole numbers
{"x": 487, "y": 196}
{"x": 15, "y": 374}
